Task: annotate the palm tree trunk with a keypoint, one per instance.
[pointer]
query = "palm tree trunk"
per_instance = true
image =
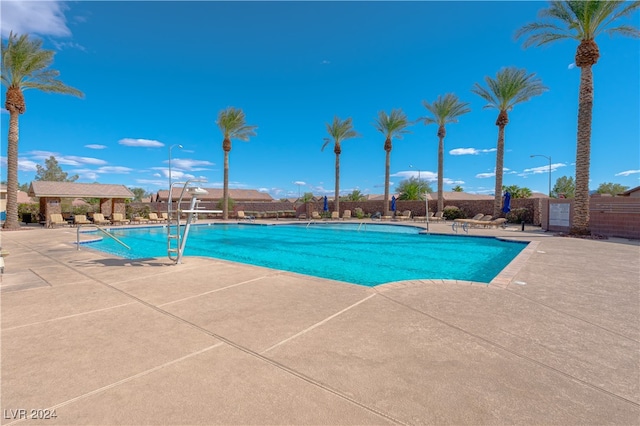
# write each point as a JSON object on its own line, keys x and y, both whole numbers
{"x": 497, "y": 201}
{"x": 440, "y": 173}
{"x": 337, "y": 196}
{"x": 387, "y": 167}
{"x": 225, "y": 190}
{"x": 580, "y": 219}
{"x": 11, "y": 221}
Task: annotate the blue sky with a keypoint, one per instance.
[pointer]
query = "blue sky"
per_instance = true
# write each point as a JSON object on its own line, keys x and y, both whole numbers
{"x": 156, "y": 74}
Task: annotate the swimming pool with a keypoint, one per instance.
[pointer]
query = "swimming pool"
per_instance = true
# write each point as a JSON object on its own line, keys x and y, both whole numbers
{"x": 367, "y": 255}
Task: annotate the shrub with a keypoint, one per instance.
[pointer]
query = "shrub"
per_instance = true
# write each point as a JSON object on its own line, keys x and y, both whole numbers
{"x": 519, "y": 215}
{"x": 453, "y": 212}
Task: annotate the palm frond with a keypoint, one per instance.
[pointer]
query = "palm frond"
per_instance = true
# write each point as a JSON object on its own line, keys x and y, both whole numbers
{"x": 510, "y": 87}
{"x": 340, "y": 130}
{"x": 231, "y": 122}
{"x": 580, "y": 20}
{"x": 445, "y": 109}
{"x": 25, "y": 65}
{"x": 393, "y": 125}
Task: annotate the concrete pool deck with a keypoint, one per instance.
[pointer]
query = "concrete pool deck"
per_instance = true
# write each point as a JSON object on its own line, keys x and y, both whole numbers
{"x": 103, "y": 340}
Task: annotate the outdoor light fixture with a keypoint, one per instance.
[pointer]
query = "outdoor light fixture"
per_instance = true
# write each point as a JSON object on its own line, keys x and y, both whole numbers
{"x": 198, "y": 190}
{"x": 548, "y": 158}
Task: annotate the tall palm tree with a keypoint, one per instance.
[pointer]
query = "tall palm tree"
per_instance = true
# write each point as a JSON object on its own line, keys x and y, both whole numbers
{"x": 445, "y": 110}
{"x": 510, "y": 87}
{"x": 339, "y": 131}
{"x": 582, "y": 21}
{"x": 391, "y": 126}
{"x": 25, "y": 65}
{"x": 232, "y": 124}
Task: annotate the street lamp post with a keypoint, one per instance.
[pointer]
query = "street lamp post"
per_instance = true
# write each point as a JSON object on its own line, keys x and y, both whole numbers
{"x": 548, "y": 158}
{"x": 426, "y": 199}
{"x": 169, "y": 200}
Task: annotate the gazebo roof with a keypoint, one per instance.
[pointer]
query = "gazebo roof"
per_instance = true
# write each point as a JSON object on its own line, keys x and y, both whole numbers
{"x": 41, "y": 188}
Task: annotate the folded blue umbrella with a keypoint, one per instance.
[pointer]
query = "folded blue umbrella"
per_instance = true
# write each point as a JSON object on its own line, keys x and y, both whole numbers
{"x": 393, "y": 203}
{"x": 506, "y": 208}
{"x": 326, "y": 204}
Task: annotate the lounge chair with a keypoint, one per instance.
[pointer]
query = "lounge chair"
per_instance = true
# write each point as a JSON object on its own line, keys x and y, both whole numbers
{"x": 56, "y": 219}
{"x": 346, "y": 214}
{"x": 118, "y": 219}
{"x": 140, "y": 219}
{"x": 335, "y": 215}
{"x": 422, "y": 218}
{"x": 406, "y": 215}
{"x": 242, "y": 216}
{"x": 98, "y": 219}
{"x": 153, "y": 217}
{"x": 81, "y": 219}
{"x": 480, "y": 222}
{"x": 476, "y": 217}
{"x": 315, "y": 215}
{"x": 495, "y": 223}
{"x": 165, "y": 216}
{"x": 439, "y": 216}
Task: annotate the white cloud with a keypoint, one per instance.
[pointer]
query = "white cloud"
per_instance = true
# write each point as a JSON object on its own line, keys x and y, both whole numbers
{"x": 3, "y": 111}
{"x": 571, "y": 66}
{"x": 160, "y": 183}
{"x": 148, "y": 143}
{"x": 95, "y": 146}
{"x": 325, "y": 62}
{"x": 299, "y": 182}
{"x": 27, "y": 166}
{"x": 68, "y": 45}
{"x": 84, "y": 160}
{"x": 627, "y": 173}
{"x": 34, "y": 17}
{"x": 114, "y": 170}
{"x": 191, "y": 165}
{"x": 485, "y": 175}
{"x": 470, "y": 151}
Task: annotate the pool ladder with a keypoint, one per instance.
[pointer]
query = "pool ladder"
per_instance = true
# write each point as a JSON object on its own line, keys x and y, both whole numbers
{"x": 176, "y": 240}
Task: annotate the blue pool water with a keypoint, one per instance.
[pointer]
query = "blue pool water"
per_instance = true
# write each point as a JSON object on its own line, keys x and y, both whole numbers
{"x": 373, "y": 255}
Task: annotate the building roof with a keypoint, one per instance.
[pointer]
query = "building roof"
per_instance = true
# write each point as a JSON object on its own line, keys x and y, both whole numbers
{"x": 215, "y": 194}
{"x": 41, "y": 188}
{"x": 628, "y": 192}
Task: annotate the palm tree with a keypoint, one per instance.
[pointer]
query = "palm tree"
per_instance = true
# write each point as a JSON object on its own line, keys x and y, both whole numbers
{"x": 391, "y": 126}
{"x": 510, "y": 87}
{"x": 232, "y": 124}
{"x": 582, "y": 21}
{"x": 339, "y": 131}
{"x": 445, "y": 110}
{"x": 25, "y": 65}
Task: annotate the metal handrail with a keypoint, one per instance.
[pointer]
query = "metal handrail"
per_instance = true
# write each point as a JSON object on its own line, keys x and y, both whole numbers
{"x": 101, "y": 230}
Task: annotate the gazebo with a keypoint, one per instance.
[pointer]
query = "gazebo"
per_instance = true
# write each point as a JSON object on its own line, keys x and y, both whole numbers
{"x": 112, "y": 197}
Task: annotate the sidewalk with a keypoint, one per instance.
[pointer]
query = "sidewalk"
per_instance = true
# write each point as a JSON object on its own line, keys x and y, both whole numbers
{"x": 103, "y": 340}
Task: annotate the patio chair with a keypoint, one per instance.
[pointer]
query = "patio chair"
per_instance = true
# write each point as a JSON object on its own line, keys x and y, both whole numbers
{"x": 242, "y": 216}
{"x": 140, "y": 219}
{"x": 439, "y": 216}
{"x": 335, "y": 215}
{"x": 496, "y": 223}
{"x": 118, "y": 219}
{"x": 56, "y": 219}
{"x": 422, "y": 218}
{"x": 153, "y": 217}
{"x": 475, "y": 218}
{"x": 98, "y": 219}
{"x": 480, "y": 222}
{"x": 346, "y": 214}
{"x": 406, "y": 215}
{"x": 81, "y": 219}
{"x": 315, "y": 215}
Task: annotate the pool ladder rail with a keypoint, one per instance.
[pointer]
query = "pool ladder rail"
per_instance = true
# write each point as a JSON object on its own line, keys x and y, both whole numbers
{"x": 177, "y": 240}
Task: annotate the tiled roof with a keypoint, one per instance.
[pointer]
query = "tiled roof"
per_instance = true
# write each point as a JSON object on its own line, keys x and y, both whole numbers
{"x": 217, "y": 194}
{"x": 40, "y": 188}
